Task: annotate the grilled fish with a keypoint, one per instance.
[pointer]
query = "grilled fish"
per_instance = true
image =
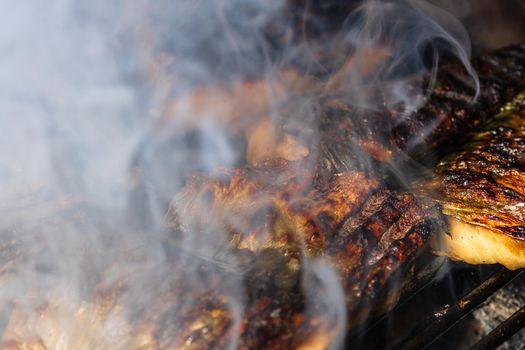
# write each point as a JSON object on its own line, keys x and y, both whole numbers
{"x": 388, "y": 137}
{"x": 435, "y": 129}
{"x": 278, "y": 221}
{"x": 449, "y": 110}
{"x": 276, "y": 227}
{"x": 482, "y": 191}
{"x": 335, "y": 205}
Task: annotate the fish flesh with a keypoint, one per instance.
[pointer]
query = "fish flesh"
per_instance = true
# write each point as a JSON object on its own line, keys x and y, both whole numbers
{"x": 482, "y": 191}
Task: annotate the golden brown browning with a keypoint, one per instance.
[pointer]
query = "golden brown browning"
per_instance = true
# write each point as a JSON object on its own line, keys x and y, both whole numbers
{"x": 482, "y": 188}
{"x": 269, "y": 221}
{"x": 235, "y": 102}
{"x": 251, "y": 106}
{"x": 360, "y": 65}
{"x": 246, "y": 107}
{"x": 274, "y": 219}
{"x": 64, "y": 324}
{"x": 265, "y": 141}
{"x": 268, "y": 206}
{"x": 261, "y": 228}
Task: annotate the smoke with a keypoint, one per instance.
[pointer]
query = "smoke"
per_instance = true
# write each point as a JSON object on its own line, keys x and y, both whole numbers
{"x": 68, "y": 115}
{"x": 392, "y": 44}
{"x": 93, "y": 149}
{"x": 69, "y": 125}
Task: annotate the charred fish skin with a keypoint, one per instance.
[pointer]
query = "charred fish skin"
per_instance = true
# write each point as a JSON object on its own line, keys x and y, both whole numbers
{"x": 451, "y": 108}
{"x": 386, "y": 139}
{"x": 489, "y": 174}
{"x": 482, "y": 191}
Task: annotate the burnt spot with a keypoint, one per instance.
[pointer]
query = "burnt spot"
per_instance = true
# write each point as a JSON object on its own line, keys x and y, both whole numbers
{"x": 511, "y": 195}
{"x": 324, "y": 221}
{"x": 515, "y": 231}
{"x": 495, "y": 218}
{"x": 368, "y": 236}
{"x": 382, "y": 220}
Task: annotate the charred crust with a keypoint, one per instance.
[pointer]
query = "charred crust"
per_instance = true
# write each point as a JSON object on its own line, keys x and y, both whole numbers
{"x": 368, "y": 234}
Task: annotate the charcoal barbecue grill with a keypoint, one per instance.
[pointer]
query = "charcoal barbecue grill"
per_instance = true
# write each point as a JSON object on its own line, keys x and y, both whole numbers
{"x": 452, "y": 305}
{"x": 415, "y": 324}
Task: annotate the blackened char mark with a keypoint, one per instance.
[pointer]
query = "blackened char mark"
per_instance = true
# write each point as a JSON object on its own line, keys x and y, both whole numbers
{"x": 385, "y": 235}
{"x": 450, "y": 109}
{"x": 483, "y": 183}
{"x": 382, "y": 283}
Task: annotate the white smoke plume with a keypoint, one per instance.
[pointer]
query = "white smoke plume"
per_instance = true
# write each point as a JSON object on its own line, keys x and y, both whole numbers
{"x": 88, "y": 165}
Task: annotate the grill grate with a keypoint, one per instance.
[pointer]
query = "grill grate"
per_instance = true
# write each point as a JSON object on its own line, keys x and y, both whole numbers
{"x": 423, "y": 320}
{"x": 503, "y": 332}
{"x": 446, "y": 317}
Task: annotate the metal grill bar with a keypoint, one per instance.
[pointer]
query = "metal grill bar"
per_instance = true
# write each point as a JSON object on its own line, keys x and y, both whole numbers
{"x": 503, "y": 332}
{"x": 445, "y": 318}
